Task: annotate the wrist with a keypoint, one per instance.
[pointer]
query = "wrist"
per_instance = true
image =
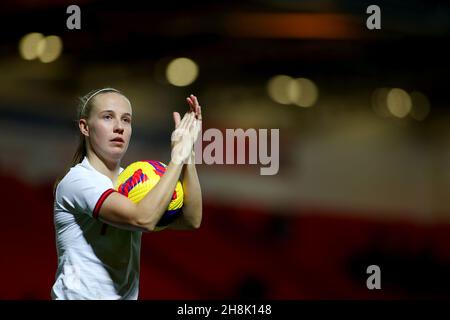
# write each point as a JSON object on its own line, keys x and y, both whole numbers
{"x": 175, "y": 162}
{"x": 191, "y": 158}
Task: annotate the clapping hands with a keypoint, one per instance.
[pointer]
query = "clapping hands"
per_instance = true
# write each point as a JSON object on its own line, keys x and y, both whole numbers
{"x": 186, "y": 132}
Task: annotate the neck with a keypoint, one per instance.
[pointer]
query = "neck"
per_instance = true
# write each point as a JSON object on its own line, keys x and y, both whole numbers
{"x": 109, "y": 168}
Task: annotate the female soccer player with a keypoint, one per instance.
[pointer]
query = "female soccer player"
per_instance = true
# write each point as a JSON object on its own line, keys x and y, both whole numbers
{"x": 95, "y": 262}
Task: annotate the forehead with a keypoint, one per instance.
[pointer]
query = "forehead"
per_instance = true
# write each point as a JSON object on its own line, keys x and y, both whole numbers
{"x": 111, "y": 101}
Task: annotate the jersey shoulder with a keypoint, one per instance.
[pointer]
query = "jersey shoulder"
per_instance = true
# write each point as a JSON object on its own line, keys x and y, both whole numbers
{"x": 81, "y": 176}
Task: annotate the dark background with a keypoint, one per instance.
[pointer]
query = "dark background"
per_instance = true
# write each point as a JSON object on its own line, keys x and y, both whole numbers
{"x": 354, "y": 188}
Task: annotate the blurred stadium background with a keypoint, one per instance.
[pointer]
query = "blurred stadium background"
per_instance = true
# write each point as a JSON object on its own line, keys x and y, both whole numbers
{"x": 364, "y": 172}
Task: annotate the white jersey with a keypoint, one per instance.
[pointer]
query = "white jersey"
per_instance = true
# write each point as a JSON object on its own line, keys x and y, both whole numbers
{"x": 95, "y": 260}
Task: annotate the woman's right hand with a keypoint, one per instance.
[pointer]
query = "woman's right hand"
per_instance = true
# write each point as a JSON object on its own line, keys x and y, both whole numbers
{"x": 182, "y": 138}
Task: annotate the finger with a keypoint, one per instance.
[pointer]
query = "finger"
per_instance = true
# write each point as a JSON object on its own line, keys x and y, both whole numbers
{"x": 190, "y": 122}
{"x": 199, "y": 113}
{"x": 183, "y": 121}
{"x": 196, "y": 105}
{"x": 188, "y": 116}
{"x": 195, "y": 101}
{"x": 191, "y": 98}
{"x": 190, "y": 103}
{"x": 197, "y": 128}
{"x": 176, "y": 119}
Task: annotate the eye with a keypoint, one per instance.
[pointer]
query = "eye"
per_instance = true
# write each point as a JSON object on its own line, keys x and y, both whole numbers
{"x": 127, "y": 120}
{"x": 107, "y": 117}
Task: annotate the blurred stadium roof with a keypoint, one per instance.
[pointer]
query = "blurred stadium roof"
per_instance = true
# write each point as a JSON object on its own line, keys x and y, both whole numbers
{"x": 250, "y": 40}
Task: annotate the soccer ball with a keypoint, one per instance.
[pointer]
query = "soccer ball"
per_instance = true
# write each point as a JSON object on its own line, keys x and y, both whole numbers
{"x": 139, "y": 178}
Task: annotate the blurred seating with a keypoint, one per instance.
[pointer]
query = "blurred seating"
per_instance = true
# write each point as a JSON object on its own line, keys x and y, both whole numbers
{"x": 241, "y": 252}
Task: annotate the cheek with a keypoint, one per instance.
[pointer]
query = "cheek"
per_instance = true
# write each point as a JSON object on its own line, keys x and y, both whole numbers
{"x": 100, "y": 131}
{"x": 129, "y": 131}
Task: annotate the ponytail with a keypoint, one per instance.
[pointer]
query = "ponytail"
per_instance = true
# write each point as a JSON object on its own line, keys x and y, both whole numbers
{"x": 80, "y": 153}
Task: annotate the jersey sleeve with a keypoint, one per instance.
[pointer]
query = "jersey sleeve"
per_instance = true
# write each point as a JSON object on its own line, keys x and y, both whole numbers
{"x": 83, "y": 193}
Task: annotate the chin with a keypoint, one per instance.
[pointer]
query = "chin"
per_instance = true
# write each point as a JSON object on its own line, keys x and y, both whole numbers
{"x": 116, "y": 155}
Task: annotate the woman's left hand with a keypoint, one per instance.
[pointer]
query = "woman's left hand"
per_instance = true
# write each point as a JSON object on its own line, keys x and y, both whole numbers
{"x": 194, "y": 107}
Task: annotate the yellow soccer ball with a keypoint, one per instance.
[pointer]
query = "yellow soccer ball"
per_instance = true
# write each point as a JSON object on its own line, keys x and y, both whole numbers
{"x": 139, "y": 178}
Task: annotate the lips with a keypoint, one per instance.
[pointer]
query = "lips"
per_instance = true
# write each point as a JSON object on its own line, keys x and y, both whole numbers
{"x": 118, "y": 139}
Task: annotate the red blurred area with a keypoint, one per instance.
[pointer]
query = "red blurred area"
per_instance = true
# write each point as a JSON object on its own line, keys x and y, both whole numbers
{"x": 294, "y": 25}
{"x": 240, "y": 252}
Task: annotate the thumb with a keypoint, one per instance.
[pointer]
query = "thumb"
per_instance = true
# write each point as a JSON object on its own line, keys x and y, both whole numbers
{"x": 176, "y": 119}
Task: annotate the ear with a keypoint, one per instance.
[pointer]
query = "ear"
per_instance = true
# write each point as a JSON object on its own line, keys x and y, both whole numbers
{"x": 84, "y": 128}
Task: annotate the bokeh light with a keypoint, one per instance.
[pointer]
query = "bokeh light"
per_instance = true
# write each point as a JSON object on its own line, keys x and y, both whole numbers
{"x": 50, "y": 48}
{"x": 303, "y": 92}
{"x": 398, "y": 102}
{"x": 182, "y": 72}
{"x": 29, "y": 48}
{"x": 278, "y": 88}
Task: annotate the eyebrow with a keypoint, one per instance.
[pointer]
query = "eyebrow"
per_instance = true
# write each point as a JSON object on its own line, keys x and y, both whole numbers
{"x": 125, "y": 114}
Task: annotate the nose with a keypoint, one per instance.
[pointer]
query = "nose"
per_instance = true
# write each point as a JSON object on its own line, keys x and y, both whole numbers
{"x": 118, "y": 127}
